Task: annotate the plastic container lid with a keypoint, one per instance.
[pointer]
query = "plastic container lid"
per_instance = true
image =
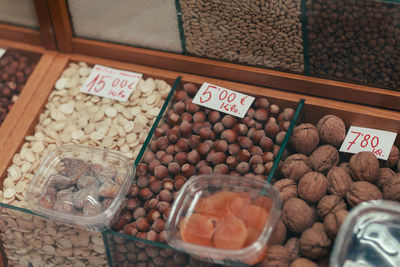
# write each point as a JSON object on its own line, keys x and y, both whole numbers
{"x": 223, "y": 219}
{"x": 369, "y": 236}
{"x": 82, "y": 186}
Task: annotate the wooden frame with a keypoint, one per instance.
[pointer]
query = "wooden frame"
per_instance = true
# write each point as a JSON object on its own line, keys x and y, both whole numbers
{"x": 361, "y": 94}
{"x": 42, "y": 37}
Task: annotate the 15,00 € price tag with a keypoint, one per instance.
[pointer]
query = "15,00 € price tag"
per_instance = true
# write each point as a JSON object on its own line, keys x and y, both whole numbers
{"x": 112, "y": 83}
{"x": 224, "y": 100}
{"x": 366, "y": 139}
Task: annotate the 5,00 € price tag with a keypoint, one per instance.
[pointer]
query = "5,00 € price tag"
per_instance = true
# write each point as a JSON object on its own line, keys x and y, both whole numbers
{"x": 224, "y": 100}
{"x": 112, "y": 83}
{"x": 366, "y": 139}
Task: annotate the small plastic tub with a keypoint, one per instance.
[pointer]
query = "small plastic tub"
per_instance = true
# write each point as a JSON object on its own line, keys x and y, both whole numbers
{"x": 369, "y": 236}
{"x": 81, "y": 186}
{"x": 223, "y": 219}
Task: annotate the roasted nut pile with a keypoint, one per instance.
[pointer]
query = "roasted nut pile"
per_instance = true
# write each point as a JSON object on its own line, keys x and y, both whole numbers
{"x": 357, "y": 41}
{"x": 318, "y": 187}
{"x": 71, "y": 117}
{"x": 195, "y": 140}
{"x": 257, "y": 32}
{"x": 15, "y": 69}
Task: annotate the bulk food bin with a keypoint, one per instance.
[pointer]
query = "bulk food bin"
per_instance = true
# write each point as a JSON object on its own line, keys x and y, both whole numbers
{"x": 183, "y": 145}
{"x": 61, "y": 115}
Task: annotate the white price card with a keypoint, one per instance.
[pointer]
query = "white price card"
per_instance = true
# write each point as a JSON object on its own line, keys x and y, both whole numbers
{"x": 224, "y": 100}
{"x": 349, "y": 263}
{"x": 366, "y": 139}
{"x": 112, "y": 83}
{"x": 2, "y": 52}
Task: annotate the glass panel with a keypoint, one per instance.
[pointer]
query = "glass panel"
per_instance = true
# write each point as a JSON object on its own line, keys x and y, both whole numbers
{"x": 143, "y": 23}
{"x": 261, "y": 33}
{"x": 356, "y": 41}
{"x": 19, "y": 12}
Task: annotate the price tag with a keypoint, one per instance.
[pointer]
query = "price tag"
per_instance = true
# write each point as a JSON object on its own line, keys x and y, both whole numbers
{"x": 349, "y": 263}
{"x": 2, "y": 52}
{"x": 224, "y": 100}
{"x": 112, "y": 83}
{"x": 365, "y": 139}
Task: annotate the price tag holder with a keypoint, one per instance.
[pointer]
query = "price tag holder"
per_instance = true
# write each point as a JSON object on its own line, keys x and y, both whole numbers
{"x": 111, "y": 83}
{"x": 224, "y": 100}
{"x": 2, "y": 52}
{"x": 366, "y": 139}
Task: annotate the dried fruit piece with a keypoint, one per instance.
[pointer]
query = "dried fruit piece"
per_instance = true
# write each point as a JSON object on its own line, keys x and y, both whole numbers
{"x": 85, "y": 181}
{"x": 102, "y": 173}
{"x": 109, "y": 189}
{"x": 254, "y": 216}
{"x": 75, "y": 167}
{"x": 66, "y": 193}
{"x": 60, "y": 182}
{"x": 88, "y": 194}
{"x": 230, "y": 233}
{"x": 197, "y": 229}
{"x": 218, "y": 203}
{"x": 91, "y": 208}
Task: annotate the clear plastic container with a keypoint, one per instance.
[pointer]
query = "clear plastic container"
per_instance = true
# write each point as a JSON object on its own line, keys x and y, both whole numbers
{"x": 223, "y": 219}
{"x": 82, "y": 186}
{"x": 370, "y": 236}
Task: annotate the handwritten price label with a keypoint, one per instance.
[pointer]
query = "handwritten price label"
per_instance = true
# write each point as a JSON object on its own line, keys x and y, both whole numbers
{"x": 365, "y": 139}
{"x": 224, "y": 100}
{"x": 112, "y": 83}
{"x": 2, "y": 52}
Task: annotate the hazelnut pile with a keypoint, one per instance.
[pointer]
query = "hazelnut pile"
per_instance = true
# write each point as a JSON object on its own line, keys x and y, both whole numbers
{"x": 15, "y": 69}
{"x": 319, "y": 186}
{"x": 195, "y": 140}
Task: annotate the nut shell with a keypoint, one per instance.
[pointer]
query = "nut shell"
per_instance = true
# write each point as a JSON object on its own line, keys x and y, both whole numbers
{"x": 293, "y": 248}
{"x": 303, "y": 262}
{"x": 276, "y": 256}
{"x": 384, "y": 175}
{"x": 324, "y": 158}
{"x": 329, "y": 204}
{"x": 331, "y": 130}
{"x": 295, "y": 166}
{"x": 297, "y": 215}
{"x": 362, "y": 191}
{"x": 314, "y": 242}
{"x": 278, "y": 235}
{"x": 287, "y": 189}
{"x": 305, "y": 138}
{"x": 312, "y": 187}
{"x": 393, "y": 157}
{"x": 391, "y": 189}
{"x": 339, "y": 181}
{"x": 333, "y": 221}
{"x": 364, "y": 166}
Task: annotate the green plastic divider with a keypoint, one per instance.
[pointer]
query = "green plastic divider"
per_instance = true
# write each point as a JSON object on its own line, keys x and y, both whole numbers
{"x": 306, "y": 54}
{"x": 180, "y": 25}
{"x": 107, "y": 248}
{"x": 293, "y": 122}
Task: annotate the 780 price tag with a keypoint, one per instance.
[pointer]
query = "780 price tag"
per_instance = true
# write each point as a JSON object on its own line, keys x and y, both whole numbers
{"x": 224, "y": 100}
{"x": 112, "y": 83}
{"x": 2, "y": 52}
{"x": 366, "y": 139}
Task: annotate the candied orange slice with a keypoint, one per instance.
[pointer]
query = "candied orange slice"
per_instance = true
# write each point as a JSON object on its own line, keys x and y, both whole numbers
{"x": 221, "y": 203}
{"x": 254, "y": 216}
{"x": 230, "y": 233}
{"x": 245, "y": 196}
{"x": 197, "y": 229}
{"x": 256, "y": 258}
{"x": 263, "y": 202}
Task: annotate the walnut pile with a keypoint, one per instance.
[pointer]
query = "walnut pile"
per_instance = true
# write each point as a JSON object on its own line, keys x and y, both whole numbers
{"x": 318, "y": 186}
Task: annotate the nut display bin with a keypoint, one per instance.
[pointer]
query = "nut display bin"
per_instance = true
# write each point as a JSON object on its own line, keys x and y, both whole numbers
{"x": 47, "y": 97}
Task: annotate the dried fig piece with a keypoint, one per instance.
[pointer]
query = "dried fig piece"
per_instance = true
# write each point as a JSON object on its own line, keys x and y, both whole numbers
{"x": 74, "y": 168}
{"x": 339, "y": 181}
{"x": 107, "y": 202}
{"x": 314, "y": 242}
{"x": 47, "y": 201}
{"x": 295, "y": 166}
{"x": 364, "y": 166}
{"x": 88, "y": 194}
{"x": 305, "y": 138}
{"x": 331, "y": 130}
{"x": 109, "y": 189}
{"x": 85, "y": 181}
{"x": 92, "y": 208}
{"x": 324, "y": 158}
{"x": 312, "y": 187}
{"x": 362, "y": 191}
{"x": 66, "y": 193}
{"x": 102, "y": 173}
{"x": 60, "y": 182}
{"x": 64, "y": 204}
